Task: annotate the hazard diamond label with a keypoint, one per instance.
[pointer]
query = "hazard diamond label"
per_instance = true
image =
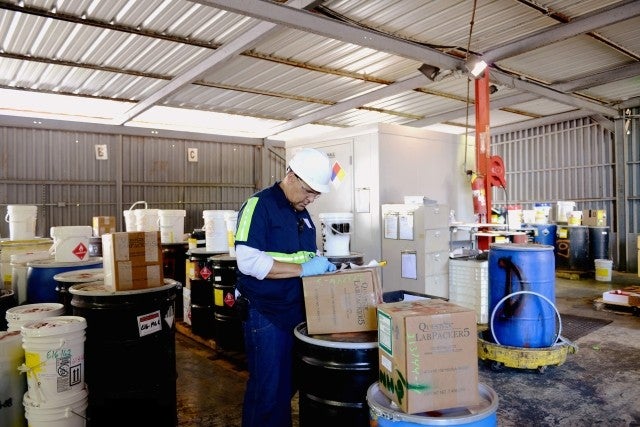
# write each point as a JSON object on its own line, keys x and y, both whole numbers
{"x": 205, "y": 273}
{"x": 229, "y": 299}
{"x": 80, "y": 251}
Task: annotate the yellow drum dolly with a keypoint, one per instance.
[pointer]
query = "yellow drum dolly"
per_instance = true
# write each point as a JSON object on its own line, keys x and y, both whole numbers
{"x": 499, "y": 355}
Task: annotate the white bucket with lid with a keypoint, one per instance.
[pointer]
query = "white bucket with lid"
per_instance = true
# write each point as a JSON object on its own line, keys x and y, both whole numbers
{"x": 54, "y": 357}
{"x": 336, "y": 232}
{"x": 69, "y": 411}
{"x": 171, "y": 225}
{"x": 22, "y": 221}
{"x": 21, "y": 314}
{"x": 215, "y": 230}
{"x": 13, "y": 384}
{"x": 71, "y": 243}
{"x": 230, "y": 220}
{"x": 604, "y": 269}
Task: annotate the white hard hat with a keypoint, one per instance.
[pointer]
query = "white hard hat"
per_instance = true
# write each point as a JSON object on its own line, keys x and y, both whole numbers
{"x": 313, "y": 167}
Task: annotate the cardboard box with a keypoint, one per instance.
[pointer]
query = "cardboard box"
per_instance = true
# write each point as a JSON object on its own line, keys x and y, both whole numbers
{"x": 132, "y": 260}
{"x": 103, "y": 225}
{"x": 594, "y": 217}
{"x": 344, "y": 301}
{"x": 428, "y": 356}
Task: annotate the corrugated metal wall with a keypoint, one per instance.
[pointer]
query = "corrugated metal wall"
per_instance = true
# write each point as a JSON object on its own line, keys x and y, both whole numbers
{"x": 576, "y": 161}
{"x": 59, "y": 171}
{"x": 62, "y": 173}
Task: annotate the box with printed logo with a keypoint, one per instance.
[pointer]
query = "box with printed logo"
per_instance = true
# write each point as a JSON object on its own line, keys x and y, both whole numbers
{"x": 428, "y": 357}
{"x": 344, "y": 301}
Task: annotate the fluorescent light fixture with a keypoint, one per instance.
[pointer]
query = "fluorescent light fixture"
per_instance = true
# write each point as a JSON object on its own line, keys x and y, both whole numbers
{"x": 478, "y": 69}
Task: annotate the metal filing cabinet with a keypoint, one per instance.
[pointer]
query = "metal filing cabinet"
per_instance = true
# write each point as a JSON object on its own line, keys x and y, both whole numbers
{"x": 415, "y": 245}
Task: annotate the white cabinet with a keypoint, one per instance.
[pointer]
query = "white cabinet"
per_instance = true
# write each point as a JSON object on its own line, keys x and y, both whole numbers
{"x": 415, "y": 244}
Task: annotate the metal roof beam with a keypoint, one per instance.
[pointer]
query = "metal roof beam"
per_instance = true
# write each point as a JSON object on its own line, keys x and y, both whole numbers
{"x": 584, "y": 24}
{"x": 628, "y": 71}
{"x": 309, "y": 22}
{"x": 386, "y": 91}
{"x": 216, "y": 60}
{"x": 462, "y": 112}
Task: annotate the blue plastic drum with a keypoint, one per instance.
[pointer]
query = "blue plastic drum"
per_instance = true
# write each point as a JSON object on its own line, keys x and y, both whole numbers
{"x": 545, "y": 234}
{"x": 41, "y": 285}
{"x": 527, "y": 319}
{"x": 383, "y": 413}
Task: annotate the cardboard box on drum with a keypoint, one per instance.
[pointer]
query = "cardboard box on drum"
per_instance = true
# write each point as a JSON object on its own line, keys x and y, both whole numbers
{"x": 428, "y": 357}
{"x": 344, "y": 301}
{"x": 132, "y": 260}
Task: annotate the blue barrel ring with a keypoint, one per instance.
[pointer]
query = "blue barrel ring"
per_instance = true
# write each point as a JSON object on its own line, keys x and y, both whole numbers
{"x": 524, "y": 320}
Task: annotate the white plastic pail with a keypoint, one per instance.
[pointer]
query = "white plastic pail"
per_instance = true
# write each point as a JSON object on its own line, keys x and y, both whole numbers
{"x": 69, "y": 411}
{"x": 22, "y": 221}
{"x": 129, "y": 220}
{"x": 604, "y": 268}
{"x": 71, "y": 244}
{"x": 171, "y": 225}
{"x": 336, "y": 233}
{"x": 574, "y": 218}
{"x": 54, "y": 357}
{"x": 230, "y": 220}
{"x": 13, "y": 384}
{"x": 562, "y": 209}
{"x": 147, "y": 220}
{"x": 215, "y": 230}
{"x": 21, "y": 314}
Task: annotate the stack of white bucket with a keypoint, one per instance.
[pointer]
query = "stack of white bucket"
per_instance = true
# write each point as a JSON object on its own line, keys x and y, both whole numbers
{"x": 22, "y": 221}
{"x": 171, "y": 225}
{"x": 217, "y": 226}
{"x": 54, "y": 364}
{"x": 13, "y": 385}
{"x": 141, "y": 219}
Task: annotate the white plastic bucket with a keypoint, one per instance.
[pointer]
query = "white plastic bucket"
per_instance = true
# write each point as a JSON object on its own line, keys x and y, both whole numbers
{"x": 215, "y": 230}
{"x": 562, "y": 209}
{"x": 574, "y": 218}
{"x": 13, "y": 385}
{"x": 604, "y": 268}
{"x": 147, "y": 219}
{"x": 21, "y": 314}
{"x": 54, "y": 357}
{"x": 22, "y": 221}
{"x": 19, "y": 270}
{"x": 231, "y": 220}
{"x": 69, "y": 411}
{"x": 336, "y": 233}
{"x": 71, "y": 244}
{"x": 171, "y": 225}
{"x": 129, "y": 220}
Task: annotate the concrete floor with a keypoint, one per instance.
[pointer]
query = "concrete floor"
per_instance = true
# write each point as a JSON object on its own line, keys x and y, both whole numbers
{"x": 598, "y": 385}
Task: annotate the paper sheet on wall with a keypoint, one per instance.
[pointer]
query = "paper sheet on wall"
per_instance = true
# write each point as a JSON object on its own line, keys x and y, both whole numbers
{"x": 408, "y": 265}
{"x": 405, "y": 225}
{"x": 363, "y": 200}
{"x": 391, "y": 226}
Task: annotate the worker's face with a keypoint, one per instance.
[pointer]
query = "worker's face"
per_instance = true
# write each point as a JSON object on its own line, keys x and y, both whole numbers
{"x": 301, "y": 195}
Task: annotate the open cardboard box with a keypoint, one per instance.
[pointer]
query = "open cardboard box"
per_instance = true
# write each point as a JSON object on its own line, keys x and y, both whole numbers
{"x": 343, "y": 301}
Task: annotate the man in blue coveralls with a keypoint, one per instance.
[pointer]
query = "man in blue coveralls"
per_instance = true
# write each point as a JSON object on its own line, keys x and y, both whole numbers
{"x": 275, "y": 247}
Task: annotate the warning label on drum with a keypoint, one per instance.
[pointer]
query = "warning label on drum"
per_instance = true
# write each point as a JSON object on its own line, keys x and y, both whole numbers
{"x": 149, "y": 323}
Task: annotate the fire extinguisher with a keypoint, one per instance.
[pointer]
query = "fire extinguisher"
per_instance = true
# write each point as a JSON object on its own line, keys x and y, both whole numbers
{"x": 479, "y": 197}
